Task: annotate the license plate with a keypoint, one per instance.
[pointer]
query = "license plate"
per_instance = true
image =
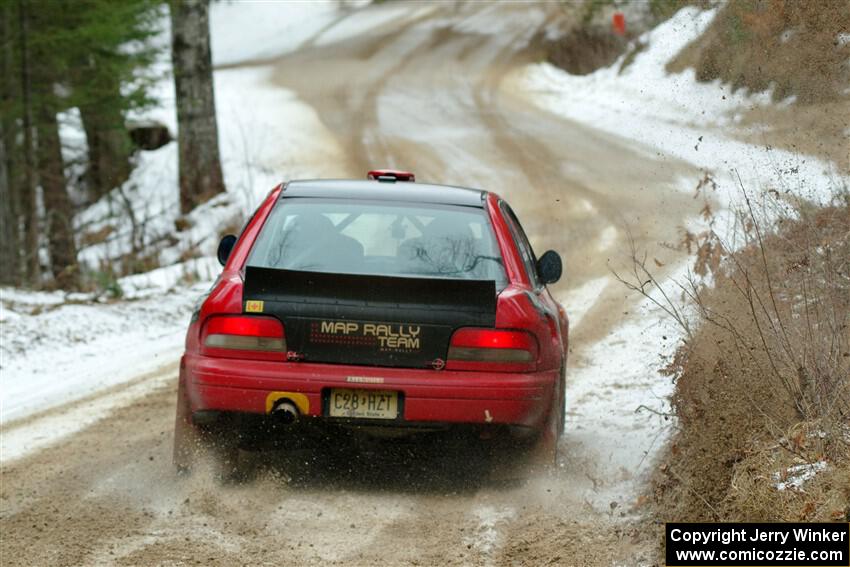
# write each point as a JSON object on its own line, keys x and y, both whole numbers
{"x": 369, "y": 404}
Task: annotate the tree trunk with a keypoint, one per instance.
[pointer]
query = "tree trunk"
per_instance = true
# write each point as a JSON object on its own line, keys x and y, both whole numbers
{"x": 108, "y": 142}
{"x": 9, "y": 237}
{"x": 197, "y": 139}
{"x": 58, "y": 210}
{"x": 29, "y": 197}
{"x": 8, "y": 222}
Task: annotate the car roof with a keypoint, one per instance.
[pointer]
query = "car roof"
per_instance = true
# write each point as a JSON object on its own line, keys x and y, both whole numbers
{"x": 403, "y": 191}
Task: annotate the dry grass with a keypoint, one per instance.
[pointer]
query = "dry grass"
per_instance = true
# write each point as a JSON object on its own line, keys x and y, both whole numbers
{"x": 792, "y": 46}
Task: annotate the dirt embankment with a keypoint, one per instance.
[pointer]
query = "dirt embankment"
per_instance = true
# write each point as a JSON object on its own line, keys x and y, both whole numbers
{"x": 763, "y": 389}
{"x": 796, "y": 49}
{"x": 587, "y": 41}
{"x": 792, "y": 49}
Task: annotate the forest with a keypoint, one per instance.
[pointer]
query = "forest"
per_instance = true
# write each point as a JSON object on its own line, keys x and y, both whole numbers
{"x": 91, "y": 62}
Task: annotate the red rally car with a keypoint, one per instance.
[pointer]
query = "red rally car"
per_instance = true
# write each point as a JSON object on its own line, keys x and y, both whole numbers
{"x": 376, "y": 303}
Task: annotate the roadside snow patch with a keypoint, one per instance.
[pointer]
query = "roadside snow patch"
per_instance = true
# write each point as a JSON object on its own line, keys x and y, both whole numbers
{"x": 46, "y": 430}
{"x": 797, "y": 475}
{"x": 382, "y": 16}
{"x": 69, "y": 351}
{"x": 275, "y": 28}
{"x": 582, "y": 299}
{"x": 486, "y": 537}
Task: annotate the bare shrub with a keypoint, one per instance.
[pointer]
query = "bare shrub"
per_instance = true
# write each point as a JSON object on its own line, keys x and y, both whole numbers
{"x": 763, "y": 379}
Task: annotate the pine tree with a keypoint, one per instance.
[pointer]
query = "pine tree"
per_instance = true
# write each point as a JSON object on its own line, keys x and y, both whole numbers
{"x": 45, "y": 71}
{"x": 9, "y": 233}
{"x": 57, "y": 55}
{"x": 28, "y": 190}
{"x": 106, "y": 82}
{"x": 8, "y": 220}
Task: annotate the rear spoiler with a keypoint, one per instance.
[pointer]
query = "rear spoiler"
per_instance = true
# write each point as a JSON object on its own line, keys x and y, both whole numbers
{"x": 441, "y": 301}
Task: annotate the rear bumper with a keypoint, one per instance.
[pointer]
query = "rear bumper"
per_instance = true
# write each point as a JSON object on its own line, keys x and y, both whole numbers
{"x": 428, "y": 396}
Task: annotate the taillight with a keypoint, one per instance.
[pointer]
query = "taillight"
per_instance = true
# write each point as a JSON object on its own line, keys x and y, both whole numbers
{"x": 237, "y": 333}
{"x": 493, "y": 350}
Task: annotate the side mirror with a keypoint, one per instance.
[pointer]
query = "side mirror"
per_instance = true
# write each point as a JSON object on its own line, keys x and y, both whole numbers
{"x": 549, "y": 267}
{"x": 225, "y": 247}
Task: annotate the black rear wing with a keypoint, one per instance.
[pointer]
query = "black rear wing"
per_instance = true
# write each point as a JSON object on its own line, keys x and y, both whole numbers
{"x": 369, "y": 320}
{"x": 441, "y": 301}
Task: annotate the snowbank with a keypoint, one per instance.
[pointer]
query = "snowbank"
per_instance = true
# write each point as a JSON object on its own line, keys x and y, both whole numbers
{"x": 618, "y": 407}
{"x": 68, "y": 351}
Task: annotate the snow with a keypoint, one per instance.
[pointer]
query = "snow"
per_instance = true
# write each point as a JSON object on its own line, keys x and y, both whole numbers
{"x": 268, "y": 135}
{"x": 674, "y": 116}
{"x": 485, "y": 536}
{"x": 618, "y": 405}
{"x": 796, "y": 476}
{"x": 163, "y": 280}
{"x": 74, "y": 145}
{"x": 581, "y": 299}
{"x": 273, "y": 28}
{"x": 48, "y": 428}
{"x": 390, "y": 14}
{"x": 34, "y": 298}
{"x": 57, "y": 355}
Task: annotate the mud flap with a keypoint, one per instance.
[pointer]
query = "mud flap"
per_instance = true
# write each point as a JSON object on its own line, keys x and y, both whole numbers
{"x": 544, "y": 453}
{"x": 186, "y": 438}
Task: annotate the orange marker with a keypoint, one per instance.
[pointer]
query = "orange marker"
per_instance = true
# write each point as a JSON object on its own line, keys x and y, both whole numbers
{"x": 618, "y": 23}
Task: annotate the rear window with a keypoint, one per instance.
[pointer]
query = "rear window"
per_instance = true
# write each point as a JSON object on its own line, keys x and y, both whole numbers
{"x": 379, "y": 238}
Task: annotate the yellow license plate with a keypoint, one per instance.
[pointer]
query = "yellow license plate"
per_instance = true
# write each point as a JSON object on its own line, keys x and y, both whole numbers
{"x": 369, "y": 404}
